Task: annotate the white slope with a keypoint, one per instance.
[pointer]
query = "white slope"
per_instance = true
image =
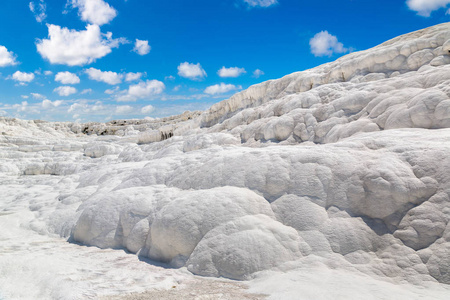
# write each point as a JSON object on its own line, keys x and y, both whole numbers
{"x": 331, "y": 182}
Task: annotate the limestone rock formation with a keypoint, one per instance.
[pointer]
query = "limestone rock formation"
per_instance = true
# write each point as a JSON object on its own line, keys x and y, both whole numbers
{"x": 345, "y": 164}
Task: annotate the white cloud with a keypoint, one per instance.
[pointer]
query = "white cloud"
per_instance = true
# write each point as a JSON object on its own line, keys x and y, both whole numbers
{"x": 170, "y": 77}
{"x": 65, "y": 90}
{"x": 85, "y": 107}
{"x": 258, "y": 73}
{"x": 221, "y": 88}
{"x": 86, "y": 91}
{"x": 426, "y": 7}
{"x": 76, "y": 48}
{"x": 38, "y": 96}
{"x": 97, "y": 110}
{"x": 112, "y": 91}
{"x": 48, "y": 73}
{"x": 146, "y": 89}
{"x": 38, "y": 10}
{"x": 123, "y": 109}
{"x": 96, "y": 12}
{"x": 142, "y": 90}
{"x": 67, "y": 78}
{"x": 76, "y": 107}
{"x": 23, "y": 77}
{"x": 191, "y": 71}
{"x": 82, "y": 110}
{"x": 21, "y": 107}
{"x": 86, "y": 110}
{"x": 141, "y": 47}
{"x": 7, "y": 58}
{"x": 108, "y": 77}
{"x": 47, "y": 104}
{"x": 260, "y": 3}
{"x": 147, "y": 109}
{"x": 133, "y": 76}
{"x": 325, "y": 44}
{"x": 176, "y": 88}
{"x": 231, "y": 72}
{"x": 24, "y": 96}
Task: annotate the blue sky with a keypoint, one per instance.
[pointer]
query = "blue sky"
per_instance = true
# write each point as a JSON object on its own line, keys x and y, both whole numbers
{"x": 97, "y": 60}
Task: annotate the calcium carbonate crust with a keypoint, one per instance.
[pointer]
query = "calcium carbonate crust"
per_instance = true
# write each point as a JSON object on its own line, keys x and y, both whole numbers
{"x": 347, "y": 162}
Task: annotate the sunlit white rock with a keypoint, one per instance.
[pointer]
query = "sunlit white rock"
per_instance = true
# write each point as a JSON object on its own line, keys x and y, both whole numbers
{"x": 344, "y": 167}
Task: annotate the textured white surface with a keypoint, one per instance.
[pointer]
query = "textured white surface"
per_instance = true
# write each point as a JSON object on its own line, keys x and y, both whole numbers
{"x": 338, "y": 171}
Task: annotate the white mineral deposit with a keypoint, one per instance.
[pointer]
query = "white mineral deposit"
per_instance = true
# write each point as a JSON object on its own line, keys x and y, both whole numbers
{"x": 330, "y": 183}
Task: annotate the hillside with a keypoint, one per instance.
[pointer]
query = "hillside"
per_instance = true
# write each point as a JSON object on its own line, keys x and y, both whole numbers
{"x": 340, "y": 170}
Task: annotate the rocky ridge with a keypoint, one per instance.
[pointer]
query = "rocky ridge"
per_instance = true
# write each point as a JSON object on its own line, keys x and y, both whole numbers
{"x": 345, "y": 165}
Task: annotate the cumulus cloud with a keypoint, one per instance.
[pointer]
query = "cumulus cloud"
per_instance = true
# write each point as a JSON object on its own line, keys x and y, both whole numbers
{"x": 108, "y": 77}
{"x": 76, "y": 48}
{"x": 133, "y": 76}
{"x": 38, "y": 10}
{"x": 112, "y": 91}
{"x": 96, "y": 12}
{"x": 221, "y": 88}
{"x": 38, "y": 96}
{"x": 47, "y": 104}
{"x": 325, "y": 44}
{"x": 141, "y": 47}
{"x": 23, "y": 77}
{"x": 67, "y": 78}
{"x": 147, "y": 109}
{"x": 142, "y": 90}
{"x": 76, "y": 107}
{"x": 260, "y": 3}
{"x": 231, "y": 72}
{"x": 86, "y": 108}
{"x": 21, "y": 107}
{"x": 258, "y": 73}
{"x": 48, "y": 73}
{"x": 86, "y": 91}
{"x": 65, "y": 90}
{"x": 7, "y": 58}
{"x": 426, "y": 7}
{"x": 123, "y": 109}
{"x": 191, "y": 71}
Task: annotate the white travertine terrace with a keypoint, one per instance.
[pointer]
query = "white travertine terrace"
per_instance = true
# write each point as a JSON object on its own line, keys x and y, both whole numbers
{"x": 345, "y": 165}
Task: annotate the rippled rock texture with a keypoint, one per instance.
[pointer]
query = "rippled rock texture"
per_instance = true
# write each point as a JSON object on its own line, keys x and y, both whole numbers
{"x": 347, "y": 163}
